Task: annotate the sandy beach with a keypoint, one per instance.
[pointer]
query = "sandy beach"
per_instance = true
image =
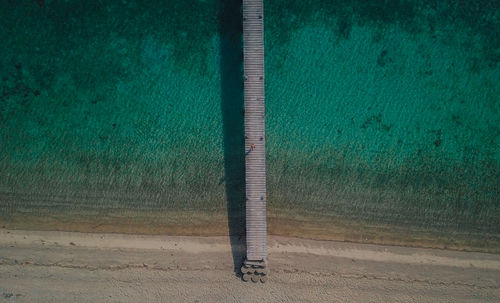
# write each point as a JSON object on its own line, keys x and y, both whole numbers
{"x": 44, "y": 266}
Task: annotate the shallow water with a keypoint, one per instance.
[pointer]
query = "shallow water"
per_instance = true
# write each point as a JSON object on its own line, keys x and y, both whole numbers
{"x": 384, "y": 112}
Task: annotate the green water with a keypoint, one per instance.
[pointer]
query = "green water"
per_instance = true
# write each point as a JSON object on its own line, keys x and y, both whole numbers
{"x": 380, "y": 111}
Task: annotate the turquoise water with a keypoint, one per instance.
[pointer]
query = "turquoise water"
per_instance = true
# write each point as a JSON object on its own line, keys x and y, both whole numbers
{"x": 380, "y": 111}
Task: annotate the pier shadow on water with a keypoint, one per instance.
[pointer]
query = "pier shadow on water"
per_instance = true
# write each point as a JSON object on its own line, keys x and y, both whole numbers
{"x": 232, "y": 107}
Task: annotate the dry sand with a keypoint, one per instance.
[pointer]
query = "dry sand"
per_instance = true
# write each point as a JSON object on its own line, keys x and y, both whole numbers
{"x": 41, "y": 266}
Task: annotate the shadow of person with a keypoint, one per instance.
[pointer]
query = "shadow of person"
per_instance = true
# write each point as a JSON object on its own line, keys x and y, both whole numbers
{"x": 232, "y": 107}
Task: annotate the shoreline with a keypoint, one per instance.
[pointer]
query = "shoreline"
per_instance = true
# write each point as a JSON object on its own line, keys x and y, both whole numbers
{"x": 306, "y": 227}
